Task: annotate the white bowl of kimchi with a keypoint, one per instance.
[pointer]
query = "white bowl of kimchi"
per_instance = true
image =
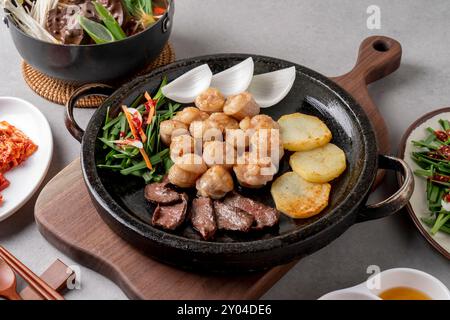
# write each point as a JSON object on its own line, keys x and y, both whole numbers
{"x": 26, "y": 148}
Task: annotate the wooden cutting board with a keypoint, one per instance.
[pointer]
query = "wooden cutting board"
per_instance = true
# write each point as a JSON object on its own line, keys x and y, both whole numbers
{"x": 66, "y": 216}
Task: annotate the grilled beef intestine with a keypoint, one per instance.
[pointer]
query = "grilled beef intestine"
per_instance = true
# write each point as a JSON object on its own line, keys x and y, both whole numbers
{"x": 170, "y": 217}
{"x": 62, "y": 21}
{"x": 232, "y": 218}
{"x": 161, "y": 193}
{"x": 203, "y": 218}
{"x": 265, "y": 216}
{"x": 234, "y": 213}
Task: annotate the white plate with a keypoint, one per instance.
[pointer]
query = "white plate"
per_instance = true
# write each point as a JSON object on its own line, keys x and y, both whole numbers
{"x": 26, "y": 178}
{"x": 417, "y": 206}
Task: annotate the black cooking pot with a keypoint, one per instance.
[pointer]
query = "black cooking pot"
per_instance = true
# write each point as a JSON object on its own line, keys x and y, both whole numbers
{"x": 97, "y": 62}
{"x": 120, "y": 200}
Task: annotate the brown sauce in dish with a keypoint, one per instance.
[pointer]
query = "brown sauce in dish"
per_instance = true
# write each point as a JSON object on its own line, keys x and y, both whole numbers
{"x": 403, "y": 293}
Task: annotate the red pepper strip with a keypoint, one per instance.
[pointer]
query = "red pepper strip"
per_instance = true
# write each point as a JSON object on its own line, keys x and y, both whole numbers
{"x": 150, "y": 105}
{"x": 444, "y": 151}
{"x": 137, "y": 121}
{"x": 447, "y": 198}
{"x": 441, "y": 135}
{"x": 158, "y": 11}
{"x": 441, "y": 178}
{"x": 147, "y": 96}
{"x": 130, "y": 122}
{"x": 142, "y": 134}
{"x": 138, "y": 126}
{"x": 146, "y": 159}
{"x": 136, "y": 136}
{"x": 151, "y": 113}
{"x": 147, "y": 107}
{"x": 434, "y": 155}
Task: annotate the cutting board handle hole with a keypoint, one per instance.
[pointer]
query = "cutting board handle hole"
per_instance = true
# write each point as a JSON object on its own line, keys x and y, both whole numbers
{"x": 381, "y": 46}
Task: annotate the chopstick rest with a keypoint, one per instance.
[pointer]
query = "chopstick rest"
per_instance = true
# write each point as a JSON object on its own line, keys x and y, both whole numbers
{"x": 33, "y": 280}
{"x": 58, "y": 275}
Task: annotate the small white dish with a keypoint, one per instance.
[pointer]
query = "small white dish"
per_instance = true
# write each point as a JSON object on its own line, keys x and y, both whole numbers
{"x": 393, "y": 278}
{"x": 27, "y": 177}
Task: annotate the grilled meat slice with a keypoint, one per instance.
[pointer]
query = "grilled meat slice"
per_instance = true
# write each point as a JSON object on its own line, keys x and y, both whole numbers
{"x": 161, "y": 193}
{"x": 232, "y": 218}
{"x": 265, "y": 216}
{"x": 203, "y": 218}
{"x": 170, "y": 216}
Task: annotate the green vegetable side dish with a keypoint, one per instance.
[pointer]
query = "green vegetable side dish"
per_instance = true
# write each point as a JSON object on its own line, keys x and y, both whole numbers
{"x": 433, "y": 158}
{"x": 123, "y": 152}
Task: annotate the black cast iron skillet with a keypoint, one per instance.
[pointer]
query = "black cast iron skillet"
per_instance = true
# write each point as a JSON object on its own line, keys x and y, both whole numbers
{"x": 98, "y": 62}
{"x": 120, "y": 200}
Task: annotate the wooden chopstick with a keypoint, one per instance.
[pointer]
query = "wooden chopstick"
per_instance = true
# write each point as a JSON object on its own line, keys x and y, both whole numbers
{"x": 33, "y": 280}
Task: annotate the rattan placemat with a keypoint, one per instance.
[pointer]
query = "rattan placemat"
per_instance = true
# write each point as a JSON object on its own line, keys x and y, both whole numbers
{"x": 59, "y": 91}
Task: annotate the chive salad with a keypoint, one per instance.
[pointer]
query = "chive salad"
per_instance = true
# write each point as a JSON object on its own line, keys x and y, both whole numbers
{"x": 132, "y": 141}
{"x": 433, "y": 158}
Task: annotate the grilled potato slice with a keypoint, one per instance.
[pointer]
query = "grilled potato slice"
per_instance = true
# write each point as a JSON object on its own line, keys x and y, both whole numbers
{"x": 298, "y": 198}
{"x": 319, "y": 165}
{"x": 301, "y": 132}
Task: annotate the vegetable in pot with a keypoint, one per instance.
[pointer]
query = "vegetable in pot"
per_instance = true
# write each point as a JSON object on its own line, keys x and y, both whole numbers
{"x": 96, "y": 31}
{"x": 82, "y": 21}
{"x": 109, "y": 21}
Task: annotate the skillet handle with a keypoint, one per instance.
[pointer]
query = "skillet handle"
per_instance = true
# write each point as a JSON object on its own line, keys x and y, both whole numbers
{"x": 378, "y": 57}
{"x": 398, "y": 200}
{"x": 97, "y": 89}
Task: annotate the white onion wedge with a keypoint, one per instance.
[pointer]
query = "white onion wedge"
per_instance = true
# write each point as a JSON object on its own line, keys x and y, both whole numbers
{"x": 187, "y": 87}
{"x": 270, "y": 88}
{"x": 234, "y": 80}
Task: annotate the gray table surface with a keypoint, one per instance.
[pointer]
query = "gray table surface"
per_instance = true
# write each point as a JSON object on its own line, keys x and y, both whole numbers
{"x": 325, "y": 36}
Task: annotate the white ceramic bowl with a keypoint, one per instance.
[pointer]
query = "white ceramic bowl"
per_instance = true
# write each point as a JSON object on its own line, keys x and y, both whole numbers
{"x": 26, "y": 178}
{"x": 400, "y": 277}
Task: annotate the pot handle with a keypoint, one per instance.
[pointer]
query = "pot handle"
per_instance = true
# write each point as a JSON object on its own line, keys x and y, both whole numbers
{"x": 398, "y": 200}
{"x": 97, "y": 89}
